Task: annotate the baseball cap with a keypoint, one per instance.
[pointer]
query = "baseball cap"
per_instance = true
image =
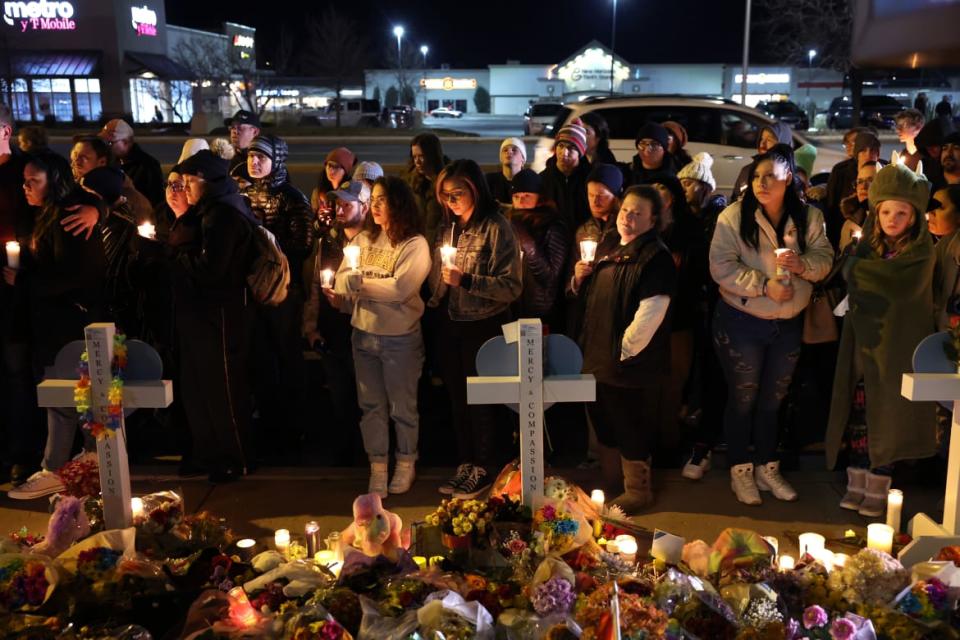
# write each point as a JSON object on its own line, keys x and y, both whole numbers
{"x": 352, "y": 191}
{"x": 243, "y": 117}
{"x": 205, "y": 164}
{"x": 114, "y": 130}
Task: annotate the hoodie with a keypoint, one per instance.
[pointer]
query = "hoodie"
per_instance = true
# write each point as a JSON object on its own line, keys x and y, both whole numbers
{"x": 784, "y": 134}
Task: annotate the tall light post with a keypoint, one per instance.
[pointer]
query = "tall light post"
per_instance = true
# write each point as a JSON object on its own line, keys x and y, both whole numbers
{"x": 613, "y": 45}
{"x": 810, "y": 56}
{"x": 746, "y": 55}
{"x": 398, "y": 31}
{"x": 424, "y": 49}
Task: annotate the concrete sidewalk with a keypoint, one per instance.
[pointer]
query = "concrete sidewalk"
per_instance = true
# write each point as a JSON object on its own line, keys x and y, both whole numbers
{"x": 288, "y": 497}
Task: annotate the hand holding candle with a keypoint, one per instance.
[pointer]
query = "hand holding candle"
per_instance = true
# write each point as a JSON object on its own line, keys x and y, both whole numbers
{"x": 448, "y": 255}
{"x": 13, "y": 254}
{"x": 588, "y": 250}
{"x": 147, "y": 230}
{"x": 326, "y": 279}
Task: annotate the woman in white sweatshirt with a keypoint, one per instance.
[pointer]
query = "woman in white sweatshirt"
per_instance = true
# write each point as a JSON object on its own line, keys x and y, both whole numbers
{"x": 384, "y": 293}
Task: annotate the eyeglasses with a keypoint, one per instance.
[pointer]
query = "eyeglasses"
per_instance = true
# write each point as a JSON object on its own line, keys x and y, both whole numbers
{"x": 452, "y": 196}
{"x": 175, "y": 186}
{"x": 651, "y": 146}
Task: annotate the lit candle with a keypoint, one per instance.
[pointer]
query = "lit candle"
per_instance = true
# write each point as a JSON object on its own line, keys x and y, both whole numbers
{"x": 597, "y": 498}
{"x": 245, "y": 548}
{"x": 241, "y": 610}
{"x": 839, "y": 560}
{"x": 613, "y": 546}
{"x": 421, "y": 561}
{"x": 325, "y": 557}
{"x": 311, "y": 531}
{"x": 448, "y": 255}
{"x": 880, "y": 537}
{"x": 628, "y": 549}
{"x": 136, "y": 506}
{"x": 352, "y": 255}
{"x": 811, "y": 543}
{"x": 281, "y": 540}
{"x": 13, "y": 254}
{"x": 857, "y": 235}
{"x": 825, "y": 557}
{"x": 787, "y": 563}
{"x": 894, "y": 508}
{"x": 326, "y": 278}
{"x": 147, "y": 230}
{"x": 782, "y": 271}
{"x": 588, "y": 250}
{"x": 773, "y": 543}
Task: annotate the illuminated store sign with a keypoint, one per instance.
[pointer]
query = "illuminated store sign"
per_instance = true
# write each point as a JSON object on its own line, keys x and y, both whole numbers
{"x": 39, "y": 15}
{"x": 144, "y": 20}
{"x": 448, "y": 83}
{"x": 593, "y": 65}
{"x": 243, "y": 41}
{"x": 764, "y": 78}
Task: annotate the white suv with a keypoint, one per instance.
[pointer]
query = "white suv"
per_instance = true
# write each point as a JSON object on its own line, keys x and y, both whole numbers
{"x": 722, "y": 128}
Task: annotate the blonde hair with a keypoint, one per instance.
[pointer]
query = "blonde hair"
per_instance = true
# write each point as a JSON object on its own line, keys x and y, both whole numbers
{"x": 884, "y": 244}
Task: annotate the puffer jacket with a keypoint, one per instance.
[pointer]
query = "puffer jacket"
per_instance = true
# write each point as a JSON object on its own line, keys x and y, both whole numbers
{"x": 489, "y": 257}
{"x": 545, "y": 243}
{"x": 285, "y": 211}
{"x": 741, "y": 271}
{"x": 568, "y": 192}
{"x": 784, "y": 134}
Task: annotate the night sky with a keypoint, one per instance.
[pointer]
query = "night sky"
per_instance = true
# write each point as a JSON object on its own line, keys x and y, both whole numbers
{"x": 467, "y": 33}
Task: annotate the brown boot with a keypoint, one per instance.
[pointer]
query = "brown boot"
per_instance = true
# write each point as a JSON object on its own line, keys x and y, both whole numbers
{"x": 610, "y": 472}
{"x": 638, "y": 487}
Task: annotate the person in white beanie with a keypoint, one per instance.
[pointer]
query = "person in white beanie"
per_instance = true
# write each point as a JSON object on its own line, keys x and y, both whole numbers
{"x": 513, "y": 155}
{"x": 698, "y": 187}
{"x": 369, "y": 172}
{"x": 223, "y": 148}
{"x": 191, "y": 146}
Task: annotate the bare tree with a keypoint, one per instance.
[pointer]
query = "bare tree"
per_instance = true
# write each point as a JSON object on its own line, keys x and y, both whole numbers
{"x": 212, "y": 66}
{"x": 336, "y": 51}
{"x": 408, "y": 66}
{"x": 175, "y": 96}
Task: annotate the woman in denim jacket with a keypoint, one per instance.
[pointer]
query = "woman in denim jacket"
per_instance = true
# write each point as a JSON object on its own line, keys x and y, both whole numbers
{"x": 473, "y": 293}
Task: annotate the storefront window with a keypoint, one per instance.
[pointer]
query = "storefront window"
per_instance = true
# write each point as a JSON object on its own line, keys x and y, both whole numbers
{"x": 51, "y": 97}
{"x": 161, "y": 101}
{"x": 21, "y": 100}
{"x": 88, "y": 98}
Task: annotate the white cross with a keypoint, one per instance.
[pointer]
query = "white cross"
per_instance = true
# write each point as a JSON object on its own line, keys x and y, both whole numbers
{"x": 111, "y": 451}
{"x": 929, "y": 536}
{"x": 530, "y": 390}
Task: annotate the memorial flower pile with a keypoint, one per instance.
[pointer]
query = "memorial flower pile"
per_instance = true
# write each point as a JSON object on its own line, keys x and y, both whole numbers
{"x": 24, "y": 582}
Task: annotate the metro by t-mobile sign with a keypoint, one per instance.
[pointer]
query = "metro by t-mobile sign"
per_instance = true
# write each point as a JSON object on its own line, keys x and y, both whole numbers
{"x": 144, "y": 20}
{"x": 39, "y": 15}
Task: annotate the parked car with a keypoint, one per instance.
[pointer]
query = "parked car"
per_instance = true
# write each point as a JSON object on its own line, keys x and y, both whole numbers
{"x": 875, "y": 111}
{"x": 722, "y": 128}
{"x": 786, "y": 111}
{"x": 353, "y": 113}
{"x": 446, "y": 112}
{"x": 400, "y": 116}
{"x": 539, "y": 117}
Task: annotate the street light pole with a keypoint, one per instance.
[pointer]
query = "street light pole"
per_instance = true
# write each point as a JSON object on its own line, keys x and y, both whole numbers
{"x": 746, "y": 56}
{"x": 424, "y": 49}
{"x": 398, "y": 31}
{"x": 613, "y": 45}
{"x": 810, "y": 56}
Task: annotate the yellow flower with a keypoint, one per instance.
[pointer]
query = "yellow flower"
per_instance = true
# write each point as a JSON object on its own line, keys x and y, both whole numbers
{"x": 467, "y": 527}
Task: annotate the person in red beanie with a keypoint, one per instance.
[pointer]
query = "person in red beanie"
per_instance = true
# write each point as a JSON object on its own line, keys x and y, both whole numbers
{"x": 337, "y": 168}
{"x": 565, "y": 178}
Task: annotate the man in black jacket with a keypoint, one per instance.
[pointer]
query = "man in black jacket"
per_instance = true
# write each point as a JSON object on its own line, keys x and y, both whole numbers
{"x": 244, "y": 126}
{"x": 278, "y": 372}
{"x": 842, "y": 181}
{"x": 210, "y": 251}
{"x": 565, "y": 178}
{"x": 142, "y": 168}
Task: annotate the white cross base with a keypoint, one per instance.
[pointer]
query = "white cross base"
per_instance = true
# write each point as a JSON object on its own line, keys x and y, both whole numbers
{"x": 111, "y": 451}
{"x": 530, "y": 390}
{"x": 929, "y": 536}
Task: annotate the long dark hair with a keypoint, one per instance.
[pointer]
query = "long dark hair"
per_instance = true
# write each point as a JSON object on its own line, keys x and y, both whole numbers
{"x": 432, "y": 150}
{"x": 469, "y": 172}
{"x": 404, "y": 215}
{"x": 599, "y": 125}
{"x": 60, "y": 184}
{"x": 793, "y": 204}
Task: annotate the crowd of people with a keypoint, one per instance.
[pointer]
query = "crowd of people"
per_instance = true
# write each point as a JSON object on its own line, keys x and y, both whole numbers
{"x": 692, "y": 308}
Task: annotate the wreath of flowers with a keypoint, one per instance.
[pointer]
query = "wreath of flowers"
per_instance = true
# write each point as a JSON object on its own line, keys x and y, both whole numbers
{"x": 83, "y": 392}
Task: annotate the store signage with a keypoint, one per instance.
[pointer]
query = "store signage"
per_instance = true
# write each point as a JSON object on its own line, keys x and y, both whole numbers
{"x": 593, "y": 65}
{"x": 243, "y": 41}
{"x": 763, "y": 78}
{"x": 144, "y": 20}
{"x": 448, "y": 83}
{"x": 39, "y": 15}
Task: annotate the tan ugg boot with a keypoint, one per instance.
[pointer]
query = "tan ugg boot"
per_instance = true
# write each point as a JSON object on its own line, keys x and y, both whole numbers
{"x": 637, "y": 486}
{"x": 856, "y": 483}
{"x": 874, "y": 502}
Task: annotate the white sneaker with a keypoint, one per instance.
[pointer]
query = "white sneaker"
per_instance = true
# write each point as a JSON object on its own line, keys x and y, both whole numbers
{"x": 695, "y": 470}
{"x": 40, "y": 484}
{"x": 378, "y": 479}
{"x": 769, "y": 479}
{"x": 403, "y": 477}
{"x": 743, "y": 484}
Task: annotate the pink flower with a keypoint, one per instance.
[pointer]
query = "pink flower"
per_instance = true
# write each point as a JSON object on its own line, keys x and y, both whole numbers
{"x": 549, "y": 513}
{"x": 814, "y": 617}
{"x": 842, "y": 629}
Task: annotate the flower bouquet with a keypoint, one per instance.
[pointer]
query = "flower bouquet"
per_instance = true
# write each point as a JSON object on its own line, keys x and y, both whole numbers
{"x": 162, "y": 511}
{"x": 26, "y": 582}
{"x": 927, "y": 601}
{"x": 871, "y": 577}
{"x": 558, "y": 529}
{"x": 639, "y": 617}
{"x": 463, "y": 523}
{"x": 80, "y": 477}
{"x": 455, "y": 618}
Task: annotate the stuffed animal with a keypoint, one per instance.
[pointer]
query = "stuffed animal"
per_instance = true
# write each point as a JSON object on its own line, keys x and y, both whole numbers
{"x": 68, "y": 524}
{"x": 374, "y": 531}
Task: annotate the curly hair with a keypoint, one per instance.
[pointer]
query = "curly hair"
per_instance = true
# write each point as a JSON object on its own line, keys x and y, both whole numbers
{"x": 405, "y": 221}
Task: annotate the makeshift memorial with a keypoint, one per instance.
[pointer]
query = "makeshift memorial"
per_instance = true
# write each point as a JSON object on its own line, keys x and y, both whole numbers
{"x": 374, "y": 530}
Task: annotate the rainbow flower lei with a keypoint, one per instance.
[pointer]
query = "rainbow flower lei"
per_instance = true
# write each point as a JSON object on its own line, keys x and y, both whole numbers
{"x": 83, "y": 392}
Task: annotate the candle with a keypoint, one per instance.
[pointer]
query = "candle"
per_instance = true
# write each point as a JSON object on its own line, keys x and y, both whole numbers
{"x": 240, "y": 608}
{"x": 136, "y": 506}
{"x": 13, "y": 254}
{"x": 773, "y": 543}
{"x": 613, "y": 546}
{"x": 245, "y": 548}
{"x": 448, "y": 255}
{"x": 894, "y": 508}
{"x": 147, "y": 230}
{"x": 857, "y": 235}
{"x": 628, "y": 549}
{"x": 588, "y": 250}
{"x": 839, "y": 560}
{"x": 326, "y": 278}
{"x": 281, "y": 540}
{"x": 598, "y": 499}
{"x": 311, "y": 531}
{"x": 880, "y": 537}
{"x": 825, "y": 557}
{"x": 811, "y": 543}
{"x": 781, "y": 271}
{"x": 787, "y": 563}
{"x": 325, "y": 557}
{"x": 421, "y": 561}
{"x": 352, "y": 255}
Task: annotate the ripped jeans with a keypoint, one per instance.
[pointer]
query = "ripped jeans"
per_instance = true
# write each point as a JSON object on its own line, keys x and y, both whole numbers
{"x": 758, "y": 358}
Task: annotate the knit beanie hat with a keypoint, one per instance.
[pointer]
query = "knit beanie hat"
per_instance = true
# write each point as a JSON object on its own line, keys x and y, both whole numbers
{"x": 106, "y": 182}
{"x": 264, "y": 144}
{"x": 367, "y": 171}
{"x": 526, "y": 181}
{"x": 191, "y": 146}
{"x": 865, "y": 140}
{"x": 653, "y": 131}
{"x": 343, "y": 157}
{"x": 897, "y": 182}
{"x": 699, "y": 169}
{"x": 805, "y": 156}
{"x": 678, "y": 132}
{"x": 222, "y": 148}
{"x": 575, "y": 134}
{"x": 518, "y": 143}
{"x": 608, "y": 175}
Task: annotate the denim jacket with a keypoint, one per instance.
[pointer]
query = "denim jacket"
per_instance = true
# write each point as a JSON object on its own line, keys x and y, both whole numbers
{"x": 489, "y": 257}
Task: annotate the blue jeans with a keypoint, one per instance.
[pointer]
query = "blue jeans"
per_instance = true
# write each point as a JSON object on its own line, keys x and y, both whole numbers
{"x": 388, "y": 372}
{"x": 758, "y": 358}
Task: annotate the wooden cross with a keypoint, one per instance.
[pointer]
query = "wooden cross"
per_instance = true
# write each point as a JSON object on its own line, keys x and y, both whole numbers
{"x": 111, "y": 451}
{"x": 929, "y": 536}
{"x": 530, "y": 390}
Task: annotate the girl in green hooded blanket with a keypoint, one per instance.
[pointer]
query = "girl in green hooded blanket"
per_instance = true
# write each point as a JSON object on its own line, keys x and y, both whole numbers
{"x": 889, "y": 281}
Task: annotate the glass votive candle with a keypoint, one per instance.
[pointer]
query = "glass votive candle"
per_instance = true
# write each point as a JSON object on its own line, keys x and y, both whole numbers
{"x": 880, "y": 537}
{"x": 326, "y": 279}
{"x": 588, "y": 250}
{"x": 628, "y": 549}
{"x": 13, "y": 254}
{"x": 597, "y": 498}
{"x": 351, "y": 254}
{"x": 894, "y": 508}
{"x": 245, "y": 548}
{"x": 136, "y": 508}
{"x": 281, "y": 540}
{"x": 786, "y": 563}
{"x": 311, "y": 533}
{"x": 812, "y": 544}
{"x": 448, "y": 255}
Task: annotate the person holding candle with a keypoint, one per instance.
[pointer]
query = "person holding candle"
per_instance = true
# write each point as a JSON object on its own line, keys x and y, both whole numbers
{"x": 856, "y": 206}
{"x": 336, "y": 170}
{"x": 889, "y": 284}
{"x": 473, "y": 298}
{"x": 757, "y": 325}
{"x": 387, "y": 341}
{"x": 625, "y": 338}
